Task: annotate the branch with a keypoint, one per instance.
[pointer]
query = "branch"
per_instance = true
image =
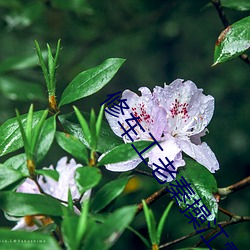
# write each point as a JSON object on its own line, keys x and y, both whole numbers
{"x": 226, "y": 23}
{"x": 182, "y": 238}
{"x": 224, "y": 192}
{"x": 152, "y": 198}
{"x": 234, "y": 220}
{"x": 143, "y": 172}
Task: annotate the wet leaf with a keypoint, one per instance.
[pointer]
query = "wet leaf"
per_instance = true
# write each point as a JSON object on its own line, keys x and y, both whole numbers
{"x": 10, "y": 135}
{"x": 233, "y": 41}
{"x": 90, "y": 81}
{"x": 204, "y": 185}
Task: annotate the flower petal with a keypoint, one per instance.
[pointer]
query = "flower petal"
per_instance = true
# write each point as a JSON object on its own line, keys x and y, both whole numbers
{"x": 189, "y": 110}
{"x": 172, "y": 151}
{"x": 201, "y": 153}
{"x": 124, "y": 166}
{"x": 29, "y": 187}
{"x": 152, "y": 117}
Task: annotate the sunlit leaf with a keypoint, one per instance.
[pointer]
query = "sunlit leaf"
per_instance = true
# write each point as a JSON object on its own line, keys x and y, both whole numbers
{"x": 233, "y": 41}
{"x": 90, "y": 81}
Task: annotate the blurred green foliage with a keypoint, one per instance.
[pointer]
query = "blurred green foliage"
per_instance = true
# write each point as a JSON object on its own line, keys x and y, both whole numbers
{"x": 161, "y": 41}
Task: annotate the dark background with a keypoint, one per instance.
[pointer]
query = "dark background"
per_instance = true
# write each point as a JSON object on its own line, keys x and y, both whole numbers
{"x": 161, "y": 41}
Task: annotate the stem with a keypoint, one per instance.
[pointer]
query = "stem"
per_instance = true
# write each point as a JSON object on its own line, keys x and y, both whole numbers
{"x": 152, "y": 198}
{"x": 224, "y": 192}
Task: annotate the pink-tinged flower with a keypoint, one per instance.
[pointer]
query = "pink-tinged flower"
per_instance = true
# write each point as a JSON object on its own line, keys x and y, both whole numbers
{"x": 58, "y": 189}
{"x": 177, "y": 116}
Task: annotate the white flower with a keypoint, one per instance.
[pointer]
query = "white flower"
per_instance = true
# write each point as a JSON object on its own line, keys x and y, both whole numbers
{"x": 58, "y": 189}
{"x": 177, "y": 116}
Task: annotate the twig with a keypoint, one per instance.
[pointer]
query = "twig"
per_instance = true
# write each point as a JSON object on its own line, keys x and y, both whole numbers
{"x": 143, "y": 172}
{"x": 224, "y": 211}
{"x": 182, "y": 238}
{"x": 224, "y": 192}
{"x": 226, "y": 23}
{"x": 152, "y": 198}
{"x": 234, "y": 220}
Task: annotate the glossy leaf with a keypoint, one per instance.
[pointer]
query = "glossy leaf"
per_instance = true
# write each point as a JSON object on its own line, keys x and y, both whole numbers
{"x": 18, "y": 162}
{"x": 106, "y": 234}
{"x": 53, "y": 174}
{"x": 73, "y": 146}
{"x": 90, "y": 81}
{"x": 162, "y": 221}
{"x": 87, "y": 177}
{"x": 10, "y": 136}
{"x": 107, "y": 138}
{"x": 241, "y": 5}
{"x": 204, "y": 185}
{"x": 9, "y": 175}
{"x": 151, "y": 223}
{"x": 16, "y": 240}
{"x": 124, "y": 152}
{"x": 46, "y": 137}
{"x": 19, "y": 90}
{"x": 20, "y": 204}
{"x": 233, "y": 41}
{"x": 108, "y": 193}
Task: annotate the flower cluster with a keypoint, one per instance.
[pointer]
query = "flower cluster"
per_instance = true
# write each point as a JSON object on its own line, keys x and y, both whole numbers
{"x": 177, "y": 116}
{"x": 58, "y": 189}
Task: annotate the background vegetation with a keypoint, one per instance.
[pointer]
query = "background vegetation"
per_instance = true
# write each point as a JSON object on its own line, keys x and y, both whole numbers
{"x": 161, "y": 41}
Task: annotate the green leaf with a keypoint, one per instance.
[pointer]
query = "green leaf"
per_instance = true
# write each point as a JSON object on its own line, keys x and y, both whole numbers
{"x": 46, "y": 138}
{"x": 73, "y": 146}
{"x": 87, "y": 177}
{"x": 16, "y": 240}
{"x": 233, "y": 41}
{"x": 84, "y": 125}
{"x": 108, "y": 193}
{"x": 241, "y": 5}
{"x": 151, "y": 223}
{"x": 90, "y": 81}
{"x": 53, "y": 174}
{"x": 8, "y": 176}
{"x": 92, "y": 127}
{"x": 99, "y": 122}
{"x": 107, "y": 139}
{"x": 78, "y": 6}
{"x": 69, "y": 231}
{"x": 143, "y": 239}
{"x": 204, "y": 185}
{"x": 18, "y": 162}
{"x": 162, "y": 221}
{"x": 19, "y": 90}
{"x": 124, "y": 152}
{"x": 10, "y": 136}
{"x": 20, "y": 204}
{"x": 111, "y": 229}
